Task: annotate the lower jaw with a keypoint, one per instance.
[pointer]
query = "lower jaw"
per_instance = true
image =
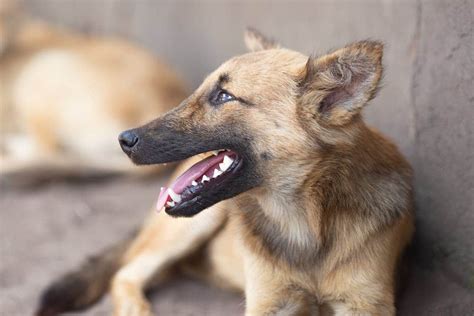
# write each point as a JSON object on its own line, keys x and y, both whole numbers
{"x": 184, "y": 209}
{"x": 196, "y": 198}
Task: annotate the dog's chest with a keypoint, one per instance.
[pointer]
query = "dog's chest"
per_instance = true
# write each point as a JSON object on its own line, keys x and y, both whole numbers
{"x": 281, "y": 237}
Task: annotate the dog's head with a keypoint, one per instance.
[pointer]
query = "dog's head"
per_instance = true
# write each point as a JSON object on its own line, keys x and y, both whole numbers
{"x": 266, "y": 113}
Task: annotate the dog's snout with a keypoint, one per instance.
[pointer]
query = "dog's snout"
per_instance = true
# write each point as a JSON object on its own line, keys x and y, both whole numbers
{"x": 128, "y": 140}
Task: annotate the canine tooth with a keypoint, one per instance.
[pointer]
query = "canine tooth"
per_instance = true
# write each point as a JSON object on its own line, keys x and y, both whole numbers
{"x": 176, "y": 197}
{"x": 226, "y": 163}
{"x": 205, "y": 178}
{"x": 194, "y": 183}
{"x": 217, "y": 173}
{"x": 215, "y": 152}
{"x": 170, "y": 203}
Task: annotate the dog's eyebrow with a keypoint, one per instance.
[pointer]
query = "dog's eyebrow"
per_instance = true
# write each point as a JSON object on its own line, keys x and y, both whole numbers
{"x": 223, "y": 78}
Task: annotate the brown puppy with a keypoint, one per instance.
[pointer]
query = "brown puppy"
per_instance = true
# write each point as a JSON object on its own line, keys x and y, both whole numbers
{"x": 64, "y": 97}
{"x": 304, "y": 208}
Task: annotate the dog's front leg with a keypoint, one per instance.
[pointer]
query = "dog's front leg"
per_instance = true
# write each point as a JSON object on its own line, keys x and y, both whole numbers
{"x": 268, "y": 293}
{"x": 162, "y": 242}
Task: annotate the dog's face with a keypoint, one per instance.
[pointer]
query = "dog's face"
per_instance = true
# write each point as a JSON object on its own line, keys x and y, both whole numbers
{"x": 265, "y": 113}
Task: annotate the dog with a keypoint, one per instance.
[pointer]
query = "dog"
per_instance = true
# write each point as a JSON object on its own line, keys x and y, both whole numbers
{"x": 288, "y": 197}
{"x": 64, "y": 97}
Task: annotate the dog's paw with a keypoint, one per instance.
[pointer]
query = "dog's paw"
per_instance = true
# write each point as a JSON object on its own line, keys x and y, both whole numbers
{"x": 133, "y": 308}
{"x": 128, "y": 299}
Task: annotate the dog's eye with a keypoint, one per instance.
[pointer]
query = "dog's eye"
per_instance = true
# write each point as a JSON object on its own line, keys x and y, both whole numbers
{"x": 222, "y": 97}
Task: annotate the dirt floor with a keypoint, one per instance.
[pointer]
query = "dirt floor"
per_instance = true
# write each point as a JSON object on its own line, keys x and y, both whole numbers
{"x": 48, "y": 229}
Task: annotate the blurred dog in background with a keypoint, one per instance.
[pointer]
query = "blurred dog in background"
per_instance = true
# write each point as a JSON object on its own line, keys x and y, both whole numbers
{"x": 65, "y": 97}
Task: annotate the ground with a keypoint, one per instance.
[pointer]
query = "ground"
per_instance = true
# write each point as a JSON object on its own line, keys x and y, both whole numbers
{"x": 48, "y": 229}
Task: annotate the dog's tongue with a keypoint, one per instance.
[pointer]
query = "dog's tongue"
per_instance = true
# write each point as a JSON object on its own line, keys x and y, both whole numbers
{"x": 162, "y": 198}
{"x": 190, "y": 175}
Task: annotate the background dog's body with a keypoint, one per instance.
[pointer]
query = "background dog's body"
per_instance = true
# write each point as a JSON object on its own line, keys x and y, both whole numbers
{"x": 323, "y": 214}
{"x": 65, "y": 97}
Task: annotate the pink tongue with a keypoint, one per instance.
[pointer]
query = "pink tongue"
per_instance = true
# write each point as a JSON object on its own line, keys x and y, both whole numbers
{"x": 162, "y": 198}
{"x": 193, "y": 173}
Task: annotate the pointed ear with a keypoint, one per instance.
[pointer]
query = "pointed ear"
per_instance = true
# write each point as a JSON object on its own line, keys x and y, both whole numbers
{"x": 256, "y": 41}
{"x": 339, "y": 84}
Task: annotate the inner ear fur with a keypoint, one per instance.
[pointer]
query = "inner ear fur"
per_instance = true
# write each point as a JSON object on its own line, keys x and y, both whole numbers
{"x": 339, "y": 84}
{"x": 256, "y": 41}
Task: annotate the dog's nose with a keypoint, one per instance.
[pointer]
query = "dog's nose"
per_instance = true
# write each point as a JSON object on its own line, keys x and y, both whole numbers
{"x": 128, "y": 140}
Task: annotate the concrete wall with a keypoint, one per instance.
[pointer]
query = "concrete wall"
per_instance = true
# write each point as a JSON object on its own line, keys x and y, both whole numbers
{"x": 443, "y": 104}
{"x": 426, "y": 105}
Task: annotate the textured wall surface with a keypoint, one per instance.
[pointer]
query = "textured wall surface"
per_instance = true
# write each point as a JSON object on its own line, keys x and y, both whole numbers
{"x": 426, "y": 104}
{"x": 443, "y": 103}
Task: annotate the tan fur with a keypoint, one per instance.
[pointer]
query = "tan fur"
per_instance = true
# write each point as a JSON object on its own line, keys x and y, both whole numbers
{"x": 65, "y": 97}
{"x": 329, "y": 223}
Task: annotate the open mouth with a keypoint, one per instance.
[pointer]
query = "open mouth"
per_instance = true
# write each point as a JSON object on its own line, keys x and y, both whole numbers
{"x": 202, "y": 178}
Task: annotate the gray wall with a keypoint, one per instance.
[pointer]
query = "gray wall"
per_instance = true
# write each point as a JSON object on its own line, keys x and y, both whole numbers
{"x": 426, "y": 105}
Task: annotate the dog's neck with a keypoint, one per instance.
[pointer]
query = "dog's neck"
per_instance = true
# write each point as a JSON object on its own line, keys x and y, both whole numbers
{"x": 283, "y": 219}
{"x": 344, "y": 197}
{"x": 289, "y": 215}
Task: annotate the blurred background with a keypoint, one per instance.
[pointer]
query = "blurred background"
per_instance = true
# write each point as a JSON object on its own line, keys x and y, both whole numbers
{"x": 426, "y": 106}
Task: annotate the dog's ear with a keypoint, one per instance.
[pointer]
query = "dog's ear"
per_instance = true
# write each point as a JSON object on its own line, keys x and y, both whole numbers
{"x": 339, "y": 84}
{"x": 255, "y": 41}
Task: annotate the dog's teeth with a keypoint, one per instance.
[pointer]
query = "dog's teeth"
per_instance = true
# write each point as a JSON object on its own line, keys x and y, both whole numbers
{"x": 170, "y": 203}
{"x": 205, "y": 178}
{"x": 215, "y": 152}
{"x": 226, "y": 163}
{"x": 228, "y": 160}
{"x": 217, "y": 173}
{"x": 194, "y": 183}
{"x": 176, "y": 197}
{"x": 223, "y": 166}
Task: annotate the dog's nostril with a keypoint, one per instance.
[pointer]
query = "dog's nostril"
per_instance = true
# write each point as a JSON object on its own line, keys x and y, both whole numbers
{"x": 128, "y": 140}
